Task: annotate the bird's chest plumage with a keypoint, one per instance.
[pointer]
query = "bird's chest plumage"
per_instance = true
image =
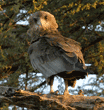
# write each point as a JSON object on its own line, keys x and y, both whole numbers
{"x": 45, "y": 58}
{"x": 41, "y": 48}
{"x": 50, "y": 59}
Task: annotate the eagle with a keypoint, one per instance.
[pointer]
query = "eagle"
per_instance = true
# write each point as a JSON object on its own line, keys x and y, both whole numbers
{"x": 53, "y": 54}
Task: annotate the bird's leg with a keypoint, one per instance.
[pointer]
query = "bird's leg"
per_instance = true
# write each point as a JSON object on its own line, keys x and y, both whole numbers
{"x": 66, "y": 92}
{"x": 74, "y": 83}
{"x": 51, "y": 85}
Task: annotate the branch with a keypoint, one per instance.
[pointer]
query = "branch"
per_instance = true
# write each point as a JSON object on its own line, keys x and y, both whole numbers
{"x": 35, "y": 101}
{"x": 92, "y": 43}
{"x": 38, "y": 86}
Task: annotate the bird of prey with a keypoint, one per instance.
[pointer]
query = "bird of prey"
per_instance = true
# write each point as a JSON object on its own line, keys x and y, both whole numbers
{"x": 53, "y": 54}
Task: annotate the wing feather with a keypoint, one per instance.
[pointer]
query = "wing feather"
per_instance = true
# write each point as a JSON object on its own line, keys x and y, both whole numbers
{"x": 53, "y": 54}
{"x": 71, "y": 47}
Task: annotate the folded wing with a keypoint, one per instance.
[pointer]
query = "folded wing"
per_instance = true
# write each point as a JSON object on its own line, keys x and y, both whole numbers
{"x": 52, "y": 54}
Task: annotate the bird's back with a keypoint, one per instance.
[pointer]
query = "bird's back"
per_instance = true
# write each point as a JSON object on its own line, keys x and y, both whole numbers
{"x": 51, "y": 59}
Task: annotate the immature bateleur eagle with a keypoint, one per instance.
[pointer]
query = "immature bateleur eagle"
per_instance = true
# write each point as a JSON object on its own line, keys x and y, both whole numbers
{"x": 52, "y": 54}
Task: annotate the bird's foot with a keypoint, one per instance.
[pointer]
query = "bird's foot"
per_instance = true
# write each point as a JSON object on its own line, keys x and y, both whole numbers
{"x": 52, "y": 91}
{"x": 66, "y": 93}
{"x": 80, "y": 92}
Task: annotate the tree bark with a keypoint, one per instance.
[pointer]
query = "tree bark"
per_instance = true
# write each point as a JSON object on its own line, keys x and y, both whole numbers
{"x": 36, "y": 101}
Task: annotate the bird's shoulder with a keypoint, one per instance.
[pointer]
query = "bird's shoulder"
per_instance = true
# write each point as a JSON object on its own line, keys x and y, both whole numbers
{"x": 67, "y": 44}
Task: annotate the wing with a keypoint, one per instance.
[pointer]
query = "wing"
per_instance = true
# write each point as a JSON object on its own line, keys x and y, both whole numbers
{"x": 71, "y": 47}
{"x": 51, "y": 55}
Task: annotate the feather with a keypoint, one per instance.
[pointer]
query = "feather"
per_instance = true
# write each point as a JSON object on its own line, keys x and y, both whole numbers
{"x": 51, "y": 53}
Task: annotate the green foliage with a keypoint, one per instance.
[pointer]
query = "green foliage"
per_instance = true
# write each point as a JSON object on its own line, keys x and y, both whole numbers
{"x": 4, "y": 106}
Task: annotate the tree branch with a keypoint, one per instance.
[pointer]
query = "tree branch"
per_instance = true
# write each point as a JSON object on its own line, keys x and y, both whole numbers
{"x": 92, "y": 43}
{"x": 38, "y": 86}
{"x": 36, "y": 101}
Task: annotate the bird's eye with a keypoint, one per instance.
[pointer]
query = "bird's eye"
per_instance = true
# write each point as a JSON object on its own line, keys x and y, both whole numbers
{"x": 35, "y": 20}
{"x": 45, "y": 17}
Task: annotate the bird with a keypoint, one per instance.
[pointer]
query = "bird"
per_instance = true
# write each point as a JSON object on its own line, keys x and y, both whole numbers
{"x": 53, "y": 54}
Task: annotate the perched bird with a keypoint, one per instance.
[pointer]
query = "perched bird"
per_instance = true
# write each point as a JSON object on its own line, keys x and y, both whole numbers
{"x": 52, "y": 54}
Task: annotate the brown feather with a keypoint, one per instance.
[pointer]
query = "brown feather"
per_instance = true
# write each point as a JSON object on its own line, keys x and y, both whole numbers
{"x": 51, "y": 53}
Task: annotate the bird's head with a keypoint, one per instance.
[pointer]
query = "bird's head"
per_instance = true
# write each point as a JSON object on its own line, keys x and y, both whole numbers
{"x": 41, "y": 21}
